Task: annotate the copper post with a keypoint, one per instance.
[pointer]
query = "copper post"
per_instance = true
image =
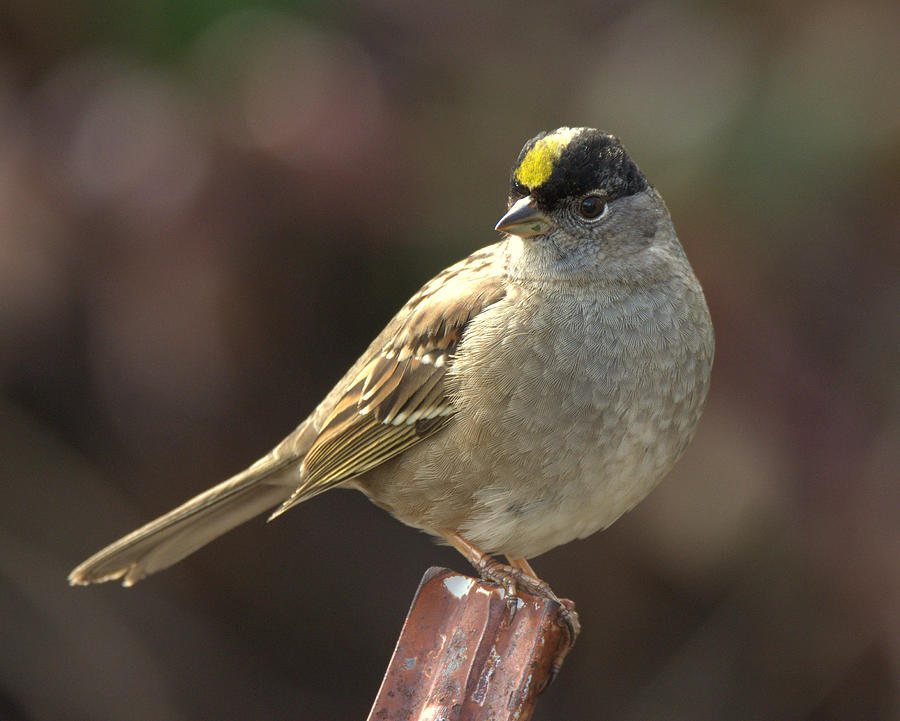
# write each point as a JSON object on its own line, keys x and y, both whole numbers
{"x": 463, "y": 654}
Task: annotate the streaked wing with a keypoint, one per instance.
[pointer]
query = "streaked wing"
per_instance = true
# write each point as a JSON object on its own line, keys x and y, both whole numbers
{"x": 398, "y": 398}
{"x": 409, "y": 405}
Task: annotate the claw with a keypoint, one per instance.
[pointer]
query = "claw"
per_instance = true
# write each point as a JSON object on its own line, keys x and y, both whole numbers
{"x": 569, "y": 617}
{"x": 512, "y": 598}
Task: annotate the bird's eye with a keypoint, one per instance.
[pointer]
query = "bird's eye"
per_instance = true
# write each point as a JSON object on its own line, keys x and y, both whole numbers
{"x": 519, "y": 189}
{"x": 591, "y": 207}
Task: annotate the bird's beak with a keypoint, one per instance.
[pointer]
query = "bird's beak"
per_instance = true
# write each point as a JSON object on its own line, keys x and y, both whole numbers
{"x": 524, "y": 219}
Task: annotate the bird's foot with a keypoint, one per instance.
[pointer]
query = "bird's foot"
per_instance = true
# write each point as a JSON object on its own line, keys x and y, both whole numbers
{"x": 520, "y": 575}
{"x": 514, "y": 579}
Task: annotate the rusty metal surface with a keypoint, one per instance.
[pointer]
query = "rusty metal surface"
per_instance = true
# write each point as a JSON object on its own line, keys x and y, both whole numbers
{"x": 462, "y": 656}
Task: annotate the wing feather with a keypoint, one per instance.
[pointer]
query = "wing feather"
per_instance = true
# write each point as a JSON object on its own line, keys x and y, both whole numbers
{"x": 398, "y": 397}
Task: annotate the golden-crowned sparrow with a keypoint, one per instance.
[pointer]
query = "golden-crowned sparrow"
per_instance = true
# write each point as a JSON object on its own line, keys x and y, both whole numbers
{"x": 524, "y": 397}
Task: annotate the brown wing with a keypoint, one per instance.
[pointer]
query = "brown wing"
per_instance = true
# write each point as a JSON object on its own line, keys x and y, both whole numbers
{"x": 398, "y": 397}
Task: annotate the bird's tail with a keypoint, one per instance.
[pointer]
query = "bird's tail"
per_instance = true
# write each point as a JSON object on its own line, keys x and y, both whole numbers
{"x": 192, "y": 525}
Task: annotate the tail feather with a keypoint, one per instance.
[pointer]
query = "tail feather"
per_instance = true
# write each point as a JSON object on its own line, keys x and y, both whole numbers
{"x": 180, "y": 532}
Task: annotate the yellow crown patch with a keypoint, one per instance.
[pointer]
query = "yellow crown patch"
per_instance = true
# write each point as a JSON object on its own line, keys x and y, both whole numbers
{"x": 538, "y": 164}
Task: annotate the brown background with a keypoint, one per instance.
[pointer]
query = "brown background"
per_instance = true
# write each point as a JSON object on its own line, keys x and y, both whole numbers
{"x": 208, "y": 208}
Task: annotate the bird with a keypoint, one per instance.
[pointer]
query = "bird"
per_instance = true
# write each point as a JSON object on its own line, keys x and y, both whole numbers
{"x": 526, "y": 396}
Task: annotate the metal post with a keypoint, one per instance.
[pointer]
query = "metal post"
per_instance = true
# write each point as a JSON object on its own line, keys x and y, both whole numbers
{"x": 464, "y": 655}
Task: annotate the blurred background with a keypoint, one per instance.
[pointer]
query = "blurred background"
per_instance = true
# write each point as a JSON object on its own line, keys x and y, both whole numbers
{"x": 209, "y": 207}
